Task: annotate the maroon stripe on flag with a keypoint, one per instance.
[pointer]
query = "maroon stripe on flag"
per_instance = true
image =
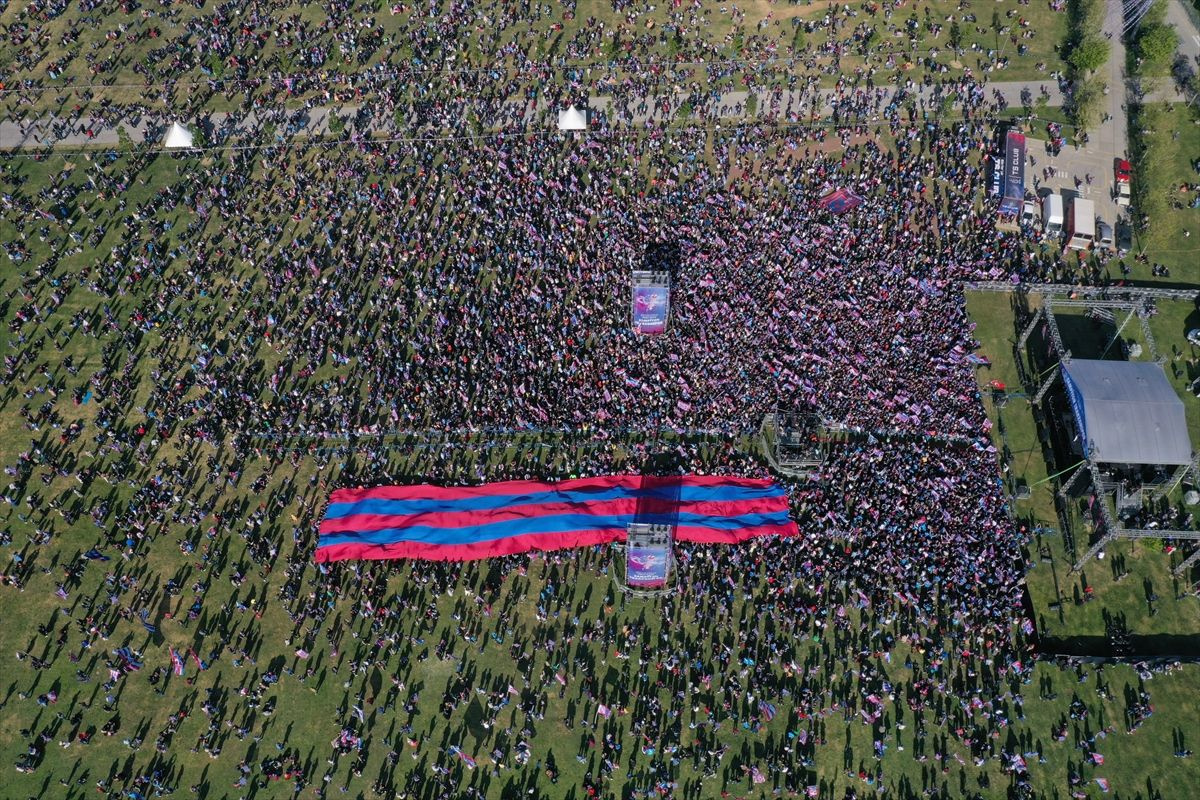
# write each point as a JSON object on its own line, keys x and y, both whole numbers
{"x": 702, "y": 535}
{"x": 507, "y": 546}
{"x": 534, "y": 541}
{"x": 426, "y": 491}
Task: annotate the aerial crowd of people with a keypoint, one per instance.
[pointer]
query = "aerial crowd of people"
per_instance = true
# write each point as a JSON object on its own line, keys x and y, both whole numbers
{"x": 202, "y": 346}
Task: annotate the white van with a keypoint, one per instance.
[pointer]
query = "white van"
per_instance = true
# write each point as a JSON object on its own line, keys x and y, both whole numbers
{"x": 1052, "y": 216}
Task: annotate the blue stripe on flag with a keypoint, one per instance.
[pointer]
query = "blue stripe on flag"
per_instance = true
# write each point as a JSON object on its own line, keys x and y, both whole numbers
{"x": 552, "y": 523}
{"x": 683, "y": 494}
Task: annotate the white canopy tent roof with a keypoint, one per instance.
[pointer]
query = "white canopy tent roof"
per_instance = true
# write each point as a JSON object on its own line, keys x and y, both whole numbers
{"x": 178, "y": 137}
{"x": 572, "y": 120}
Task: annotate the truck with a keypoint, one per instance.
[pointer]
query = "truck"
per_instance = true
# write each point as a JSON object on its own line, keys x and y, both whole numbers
{"x": 1122, "y": 173}
{"x": 1052, "y": 216}
{"x": 1081, "y": 226}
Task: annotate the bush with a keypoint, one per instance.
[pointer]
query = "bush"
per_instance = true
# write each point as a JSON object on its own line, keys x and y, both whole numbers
{"x": 1087, "y": 16}
{"x": 1156, "y": 46}
{"x": 1087, "y": 102}
{"x": 1089, "y": 55}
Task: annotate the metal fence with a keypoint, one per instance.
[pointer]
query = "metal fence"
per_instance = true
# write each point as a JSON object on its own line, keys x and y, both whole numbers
{"x": 1103, "y": 292}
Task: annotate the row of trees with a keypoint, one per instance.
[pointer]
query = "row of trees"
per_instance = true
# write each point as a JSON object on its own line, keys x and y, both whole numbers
{"x": 1152, "y": 50}
{"x": 1086, "y": 52}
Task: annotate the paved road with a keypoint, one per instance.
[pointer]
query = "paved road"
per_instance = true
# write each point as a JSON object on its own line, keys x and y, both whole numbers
{"x": 1186, "y": 21}
{"x": 84, "y": 131}
{"x": 1110, "y": 140}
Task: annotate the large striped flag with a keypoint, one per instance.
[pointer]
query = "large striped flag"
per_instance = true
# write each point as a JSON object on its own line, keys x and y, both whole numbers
{"x": 470, "y": 522}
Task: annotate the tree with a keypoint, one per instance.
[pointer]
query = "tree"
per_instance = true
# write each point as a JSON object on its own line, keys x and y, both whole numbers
{"x": 955, "y": 36}
{"x": 871, "y": 41}
{"x": 1089, "y": 55}
{"x": 1156, "y": 14}
{"x": 1041, "y": 107}
{"x": 1086, "y": 103}
{"x": 1156, "y": 45}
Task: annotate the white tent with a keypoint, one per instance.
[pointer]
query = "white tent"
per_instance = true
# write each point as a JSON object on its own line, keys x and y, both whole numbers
{"x": 178, "y": 137}
{"x": 572, "y": 120}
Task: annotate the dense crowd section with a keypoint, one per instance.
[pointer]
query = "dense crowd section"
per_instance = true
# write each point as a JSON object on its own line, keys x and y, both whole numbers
{"x": 411, "y": 293}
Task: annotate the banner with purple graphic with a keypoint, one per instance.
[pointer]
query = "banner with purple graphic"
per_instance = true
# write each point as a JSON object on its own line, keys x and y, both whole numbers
{"x": 650, "y": 307}
{"x": 646, "y": 567}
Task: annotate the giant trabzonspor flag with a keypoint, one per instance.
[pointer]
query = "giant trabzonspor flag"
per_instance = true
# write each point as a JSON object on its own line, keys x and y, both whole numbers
{"x": 458, "y": 523}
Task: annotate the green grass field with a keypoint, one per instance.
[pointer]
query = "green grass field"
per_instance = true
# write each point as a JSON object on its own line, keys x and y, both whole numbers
{"x": 525, "y": 651}
{"x": 244, "y": 631}
{"x": 1165, "y": 141}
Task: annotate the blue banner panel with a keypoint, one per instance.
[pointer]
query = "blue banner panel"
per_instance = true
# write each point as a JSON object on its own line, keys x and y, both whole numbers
{"x": 650, "y": 307}
{"x": 646, "y": 567}
{"x": 1077, "y": 407}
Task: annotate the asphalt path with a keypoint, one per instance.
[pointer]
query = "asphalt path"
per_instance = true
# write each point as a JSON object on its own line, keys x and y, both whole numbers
{"x": 85, "y": 131}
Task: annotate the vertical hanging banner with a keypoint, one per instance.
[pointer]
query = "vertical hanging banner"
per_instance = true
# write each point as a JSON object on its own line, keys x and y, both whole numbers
{"x": 651, "y": 301}
{"x": 1014, "y": 173}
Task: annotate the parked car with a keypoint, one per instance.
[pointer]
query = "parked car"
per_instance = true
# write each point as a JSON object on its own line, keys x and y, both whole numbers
{"x": 1052, "y": 217}
{"x": 1030, "y": 213}
{"x": 1104, "y": 235}
{"x": 1122, "y": 194}
{"x": 1124, "y": 238}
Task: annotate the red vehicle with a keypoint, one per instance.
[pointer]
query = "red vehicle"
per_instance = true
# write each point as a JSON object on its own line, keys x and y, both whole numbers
{"x": 1123, "y": 170}
{"x": 1124, "y": 173}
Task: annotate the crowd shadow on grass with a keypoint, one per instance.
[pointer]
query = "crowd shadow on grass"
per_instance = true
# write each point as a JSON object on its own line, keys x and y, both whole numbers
{"x": 1185, "y": 647}
{"x": 1087, "y": 338}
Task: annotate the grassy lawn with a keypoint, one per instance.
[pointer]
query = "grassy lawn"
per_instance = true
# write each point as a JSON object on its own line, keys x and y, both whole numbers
{"x": 310, "y": 712}
{"x": 1170, "y": 327}
{"x": 1013, "y": 424}
{"x": 1165, "y": 140}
